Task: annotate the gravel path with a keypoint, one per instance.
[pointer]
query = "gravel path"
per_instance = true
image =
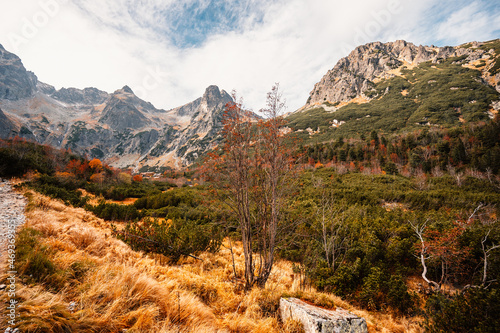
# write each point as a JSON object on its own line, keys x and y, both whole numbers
{"x": 12, "y": 207}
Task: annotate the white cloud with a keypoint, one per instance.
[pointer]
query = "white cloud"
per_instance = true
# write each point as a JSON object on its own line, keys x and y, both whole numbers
{"x": 111, "y": 43}
{"x": 473, "y": 22}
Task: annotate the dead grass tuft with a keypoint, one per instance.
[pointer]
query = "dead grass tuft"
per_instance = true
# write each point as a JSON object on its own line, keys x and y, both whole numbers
{"x": 82, "y": 238}
{"x": 293, "y": 326}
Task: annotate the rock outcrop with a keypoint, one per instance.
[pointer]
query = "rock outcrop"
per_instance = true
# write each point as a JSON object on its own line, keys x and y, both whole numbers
{"x": 15, "y": 81}
{"x": 355, "y": 74}
{"x": 318, "y": 320}
{"x": 86, "y": 96}
{"x": 200, "y": 122}
{"x": 213, "y": 98}
{"x": 6, "y": 126}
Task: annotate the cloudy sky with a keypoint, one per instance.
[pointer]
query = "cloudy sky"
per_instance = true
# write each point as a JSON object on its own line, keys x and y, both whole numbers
{"x": 169, "y": 51}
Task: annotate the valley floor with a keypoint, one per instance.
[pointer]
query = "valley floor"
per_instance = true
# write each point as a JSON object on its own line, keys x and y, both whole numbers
{"x": 74, "y": 276}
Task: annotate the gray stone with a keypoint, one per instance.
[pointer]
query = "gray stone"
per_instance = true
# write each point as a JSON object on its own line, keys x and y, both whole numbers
{"x": 319, "y": 320}
{"x": 120, "y": 115}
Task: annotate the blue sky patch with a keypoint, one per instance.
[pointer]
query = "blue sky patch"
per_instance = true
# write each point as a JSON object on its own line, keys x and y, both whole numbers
{"x": 194, "y": 22}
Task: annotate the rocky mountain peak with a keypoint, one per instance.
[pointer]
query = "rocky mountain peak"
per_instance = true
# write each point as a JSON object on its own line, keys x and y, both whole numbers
{"x": 127, "y": 89}
{"x": 355, "y": 74}
{"x": 212, "y": 93}
{"x": 214, "y": 97}
{"x": 127, "y": 96}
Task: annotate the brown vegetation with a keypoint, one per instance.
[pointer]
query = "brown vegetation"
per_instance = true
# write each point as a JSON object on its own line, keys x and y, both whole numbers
{"x": 115, "y": 288}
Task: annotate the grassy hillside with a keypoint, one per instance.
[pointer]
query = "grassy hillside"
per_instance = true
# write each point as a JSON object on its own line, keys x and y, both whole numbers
{"x": 442, "y": 95}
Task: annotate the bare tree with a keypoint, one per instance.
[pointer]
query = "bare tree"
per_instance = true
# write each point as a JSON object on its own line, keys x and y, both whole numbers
{"x": 233, "y": 171}
{"x": 423, "y": 253}
{"x": 333, "y": 229}
{"x": 254, "y": 168}
{"x": 484, "y": 241}
{"x": 444, "y": 246}
{"x": 275, "y": 169}
{"x": 486, "y": 255}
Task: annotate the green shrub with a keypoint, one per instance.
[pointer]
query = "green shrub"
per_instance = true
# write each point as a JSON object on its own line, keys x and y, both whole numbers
{"x": 391, "y": 168}
{"x": 346, "y": 279}
{"x": 174, "y": 240}
{"x": 475, "y": 310}
{"x": 398, "y": 296}
{"x": 33, "y": 260}
{"x": 114, "y": 212}
{"x": 66, "y": 190}
{"x": 372, "y": 290}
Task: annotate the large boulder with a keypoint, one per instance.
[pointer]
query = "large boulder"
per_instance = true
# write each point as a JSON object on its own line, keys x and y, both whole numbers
{"x": 319, "y": 320}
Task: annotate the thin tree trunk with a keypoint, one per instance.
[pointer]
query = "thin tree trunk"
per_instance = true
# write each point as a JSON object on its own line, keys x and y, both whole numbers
{"x": 419, "y": 230}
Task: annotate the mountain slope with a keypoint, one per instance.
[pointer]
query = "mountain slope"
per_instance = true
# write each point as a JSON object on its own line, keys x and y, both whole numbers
{"x": 120, "y": 113}
{"x": 6, "y": 126}
{"x": 398, "y": 86}
{"x": 368, "y": 64}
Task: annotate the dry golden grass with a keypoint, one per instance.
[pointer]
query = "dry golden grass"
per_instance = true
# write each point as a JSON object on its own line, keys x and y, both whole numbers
{"x": 127, "y": 201}
{"x": 122, "y": 289}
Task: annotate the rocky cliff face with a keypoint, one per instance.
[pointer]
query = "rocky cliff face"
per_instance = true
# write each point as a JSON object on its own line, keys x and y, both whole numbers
{"x": 15, "y": 81}
{"x": 6, "y": 126}
{"x": 353, "y": 75}
{"x": 87, "y": 96}
{"x": 120, "y": 113}
{"x": 201, "y": 123}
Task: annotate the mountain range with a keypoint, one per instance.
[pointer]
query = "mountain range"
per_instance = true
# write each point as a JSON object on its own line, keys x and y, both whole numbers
{"x": 389, "y": 87}
{"x": 120, "y": 128}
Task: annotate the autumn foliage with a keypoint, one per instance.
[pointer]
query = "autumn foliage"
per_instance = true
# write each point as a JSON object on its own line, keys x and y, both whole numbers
{"x": 95, "y": 164}
{"x": 98, "y": 178}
